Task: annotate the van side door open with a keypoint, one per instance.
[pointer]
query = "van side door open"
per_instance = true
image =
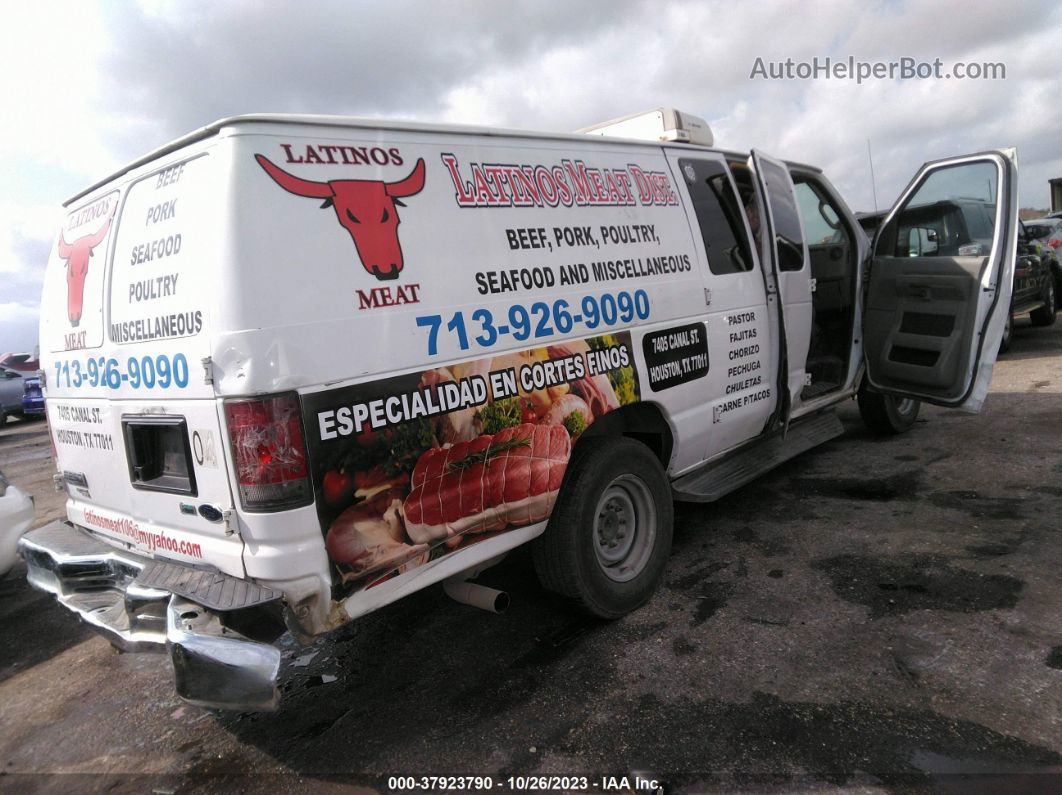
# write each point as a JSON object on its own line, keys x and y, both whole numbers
{"x": 939, "y": 283}
{"x": 788, "y": 253}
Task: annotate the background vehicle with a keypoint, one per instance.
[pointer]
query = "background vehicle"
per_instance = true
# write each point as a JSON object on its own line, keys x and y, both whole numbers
{"x": 1034, "y": 285}
{"x": 23, "y": 362}
{"x": 33, "y": 398}
{"x": 16, "y": 516}
{"x": 12, "y": 390}
{"x": 1048, "y": 233}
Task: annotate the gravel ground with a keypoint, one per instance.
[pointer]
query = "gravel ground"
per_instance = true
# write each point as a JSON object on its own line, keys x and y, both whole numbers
{"x": 874, "y": 615}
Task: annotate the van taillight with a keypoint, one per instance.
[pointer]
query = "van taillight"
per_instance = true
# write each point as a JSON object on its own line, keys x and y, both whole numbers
{"x": 269, "y": 452}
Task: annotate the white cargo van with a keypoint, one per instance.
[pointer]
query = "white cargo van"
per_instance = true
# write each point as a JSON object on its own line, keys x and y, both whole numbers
{"x": 299, "y": 367}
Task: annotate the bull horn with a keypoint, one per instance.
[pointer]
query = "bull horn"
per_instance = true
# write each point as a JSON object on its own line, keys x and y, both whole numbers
{"x": 414, "y": 183}
{"x": 293, "y": 184}
{"x": 96, "y": 238}
{"x": 64, "y": 248}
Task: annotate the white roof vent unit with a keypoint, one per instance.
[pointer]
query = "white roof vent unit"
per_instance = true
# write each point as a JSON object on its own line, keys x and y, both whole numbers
{"x": 662, "y": 124}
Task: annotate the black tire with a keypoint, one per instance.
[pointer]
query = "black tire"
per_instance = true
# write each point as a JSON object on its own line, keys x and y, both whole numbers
{"x": 1045, "y": 315}
{"x": 605, "y": 476}
{"x": 3, "y": 418}
{"x": 1008, "y": 333}
{"x": 885, "y": 414}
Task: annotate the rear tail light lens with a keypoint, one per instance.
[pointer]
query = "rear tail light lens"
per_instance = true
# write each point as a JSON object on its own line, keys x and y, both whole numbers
{"x": 269, "y": 452}
{"x": 1054, "y": 243}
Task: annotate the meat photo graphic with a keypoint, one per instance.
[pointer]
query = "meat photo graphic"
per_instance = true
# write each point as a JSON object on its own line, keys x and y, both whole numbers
{"x": 367, "y": 537}
{"x": 488, "y": 483}
{"x": 450, "y": 471}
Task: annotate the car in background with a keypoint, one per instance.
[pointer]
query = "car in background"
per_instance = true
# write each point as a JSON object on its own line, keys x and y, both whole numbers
{"x": 16, "y": 516}
{"x": 1048, "y": 233}
{"x": 12, "y": 390}
{"x": 32, "y": 398}
{"x": 23, "y": 362}
{"x": 954, "y": 227}
{"x": 1034, "y": 285}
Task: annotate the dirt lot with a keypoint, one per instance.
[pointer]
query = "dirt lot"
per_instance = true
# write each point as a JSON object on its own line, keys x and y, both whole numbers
{"x": 875, "y": 615}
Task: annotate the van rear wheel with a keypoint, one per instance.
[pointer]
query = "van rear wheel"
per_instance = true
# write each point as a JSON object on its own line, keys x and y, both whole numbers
{"x": 885, "y": 414}
{"x": 609, "y": 537}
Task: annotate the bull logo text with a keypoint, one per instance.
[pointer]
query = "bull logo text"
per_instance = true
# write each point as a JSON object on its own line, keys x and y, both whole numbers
{"x": 365, "y": 208}
{"x": 77, "y": 256}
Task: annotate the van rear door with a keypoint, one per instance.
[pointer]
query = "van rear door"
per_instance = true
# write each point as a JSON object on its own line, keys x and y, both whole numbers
{"x": 940, "y": 281}
{"x": 125, "y": 317}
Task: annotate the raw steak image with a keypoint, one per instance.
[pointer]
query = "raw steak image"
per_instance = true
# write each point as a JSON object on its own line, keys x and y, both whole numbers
{"x": 488, "y": 483}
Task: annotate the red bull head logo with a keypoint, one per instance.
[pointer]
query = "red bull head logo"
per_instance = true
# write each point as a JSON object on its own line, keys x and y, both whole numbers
{"x": 77, "y": 256}
{"x": 368, "y": 209}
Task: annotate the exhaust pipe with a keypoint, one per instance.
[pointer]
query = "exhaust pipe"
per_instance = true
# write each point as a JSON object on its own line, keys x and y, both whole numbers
{"x": 470, "y": 593}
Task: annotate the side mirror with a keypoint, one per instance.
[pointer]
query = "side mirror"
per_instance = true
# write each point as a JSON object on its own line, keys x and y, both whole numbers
{"x": 922, "y": 242}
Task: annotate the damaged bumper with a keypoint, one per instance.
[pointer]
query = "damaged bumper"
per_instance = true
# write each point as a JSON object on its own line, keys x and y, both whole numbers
{"x": 140, "y": 604}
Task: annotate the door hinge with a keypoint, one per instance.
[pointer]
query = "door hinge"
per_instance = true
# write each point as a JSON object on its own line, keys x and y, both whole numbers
{"x": 229, "y": 519}
{"x": 813, "y": 284}
{"x": 208, "y": 370}
{"x": 707, "y": 297}
{"x": 807, "y": 379}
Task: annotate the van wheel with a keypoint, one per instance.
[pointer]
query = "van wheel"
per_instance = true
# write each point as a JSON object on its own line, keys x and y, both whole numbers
{"x": 1045, "y": 315}
{"x": 609, "y": 536}
{"x": 885, "y": 414}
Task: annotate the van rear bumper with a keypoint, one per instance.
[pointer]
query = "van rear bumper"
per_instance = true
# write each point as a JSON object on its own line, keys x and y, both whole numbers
{"x": 140, "y": 604}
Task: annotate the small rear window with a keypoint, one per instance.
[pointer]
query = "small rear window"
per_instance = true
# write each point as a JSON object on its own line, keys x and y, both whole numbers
{"x": 160, "y": 458}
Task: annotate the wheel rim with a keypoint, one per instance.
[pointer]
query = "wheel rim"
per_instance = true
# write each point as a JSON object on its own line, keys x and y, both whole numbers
{"x": 905, "y": 406}
{"x": 624, "y": 528}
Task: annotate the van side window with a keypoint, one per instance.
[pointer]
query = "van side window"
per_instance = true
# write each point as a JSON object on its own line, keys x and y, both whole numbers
{"x": 718, "y": 211}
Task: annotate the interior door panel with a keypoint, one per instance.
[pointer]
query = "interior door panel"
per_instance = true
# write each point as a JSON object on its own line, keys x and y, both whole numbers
{"x": 939, "y": 285}
{"x": 919, "y": 312}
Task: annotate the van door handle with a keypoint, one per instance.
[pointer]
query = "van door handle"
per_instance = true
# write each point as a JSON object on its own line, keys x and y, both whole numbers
{"x": 918, "y": 291}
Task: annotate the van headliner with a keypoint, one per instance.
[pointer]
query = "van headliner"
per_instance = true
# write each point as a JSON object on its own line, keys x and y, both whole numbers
{"x": 405, "y": 126}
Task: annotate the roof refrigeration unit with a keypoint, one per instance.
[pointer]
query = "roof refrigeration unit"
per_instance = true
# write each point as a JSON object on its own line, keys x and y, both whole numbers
{"x": 661, "y": 124}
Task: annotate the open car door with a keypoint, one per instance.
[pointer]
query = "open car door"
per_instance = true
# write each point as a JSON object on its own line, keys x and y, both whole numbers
{"x": 940, "y": 281}
{"x": 787, "y": 253}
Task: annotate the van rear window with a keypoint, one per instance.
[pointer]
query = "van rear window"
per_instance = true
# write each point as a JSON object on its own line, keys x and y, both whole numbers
{"x": 159, "y": 454}
{"x": 718, "y": 211}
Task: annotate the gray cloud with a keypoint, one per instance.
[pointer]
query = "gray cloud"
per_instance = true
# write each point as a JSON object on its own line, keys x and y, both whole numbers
{"x": 561, "y": 65}
{"x": 328, "y": 57}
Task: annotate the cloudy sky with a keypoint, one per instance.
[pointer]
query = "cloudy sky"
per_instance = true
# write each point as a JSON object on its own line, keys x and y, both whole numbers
{"x": 88, "y": 86}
